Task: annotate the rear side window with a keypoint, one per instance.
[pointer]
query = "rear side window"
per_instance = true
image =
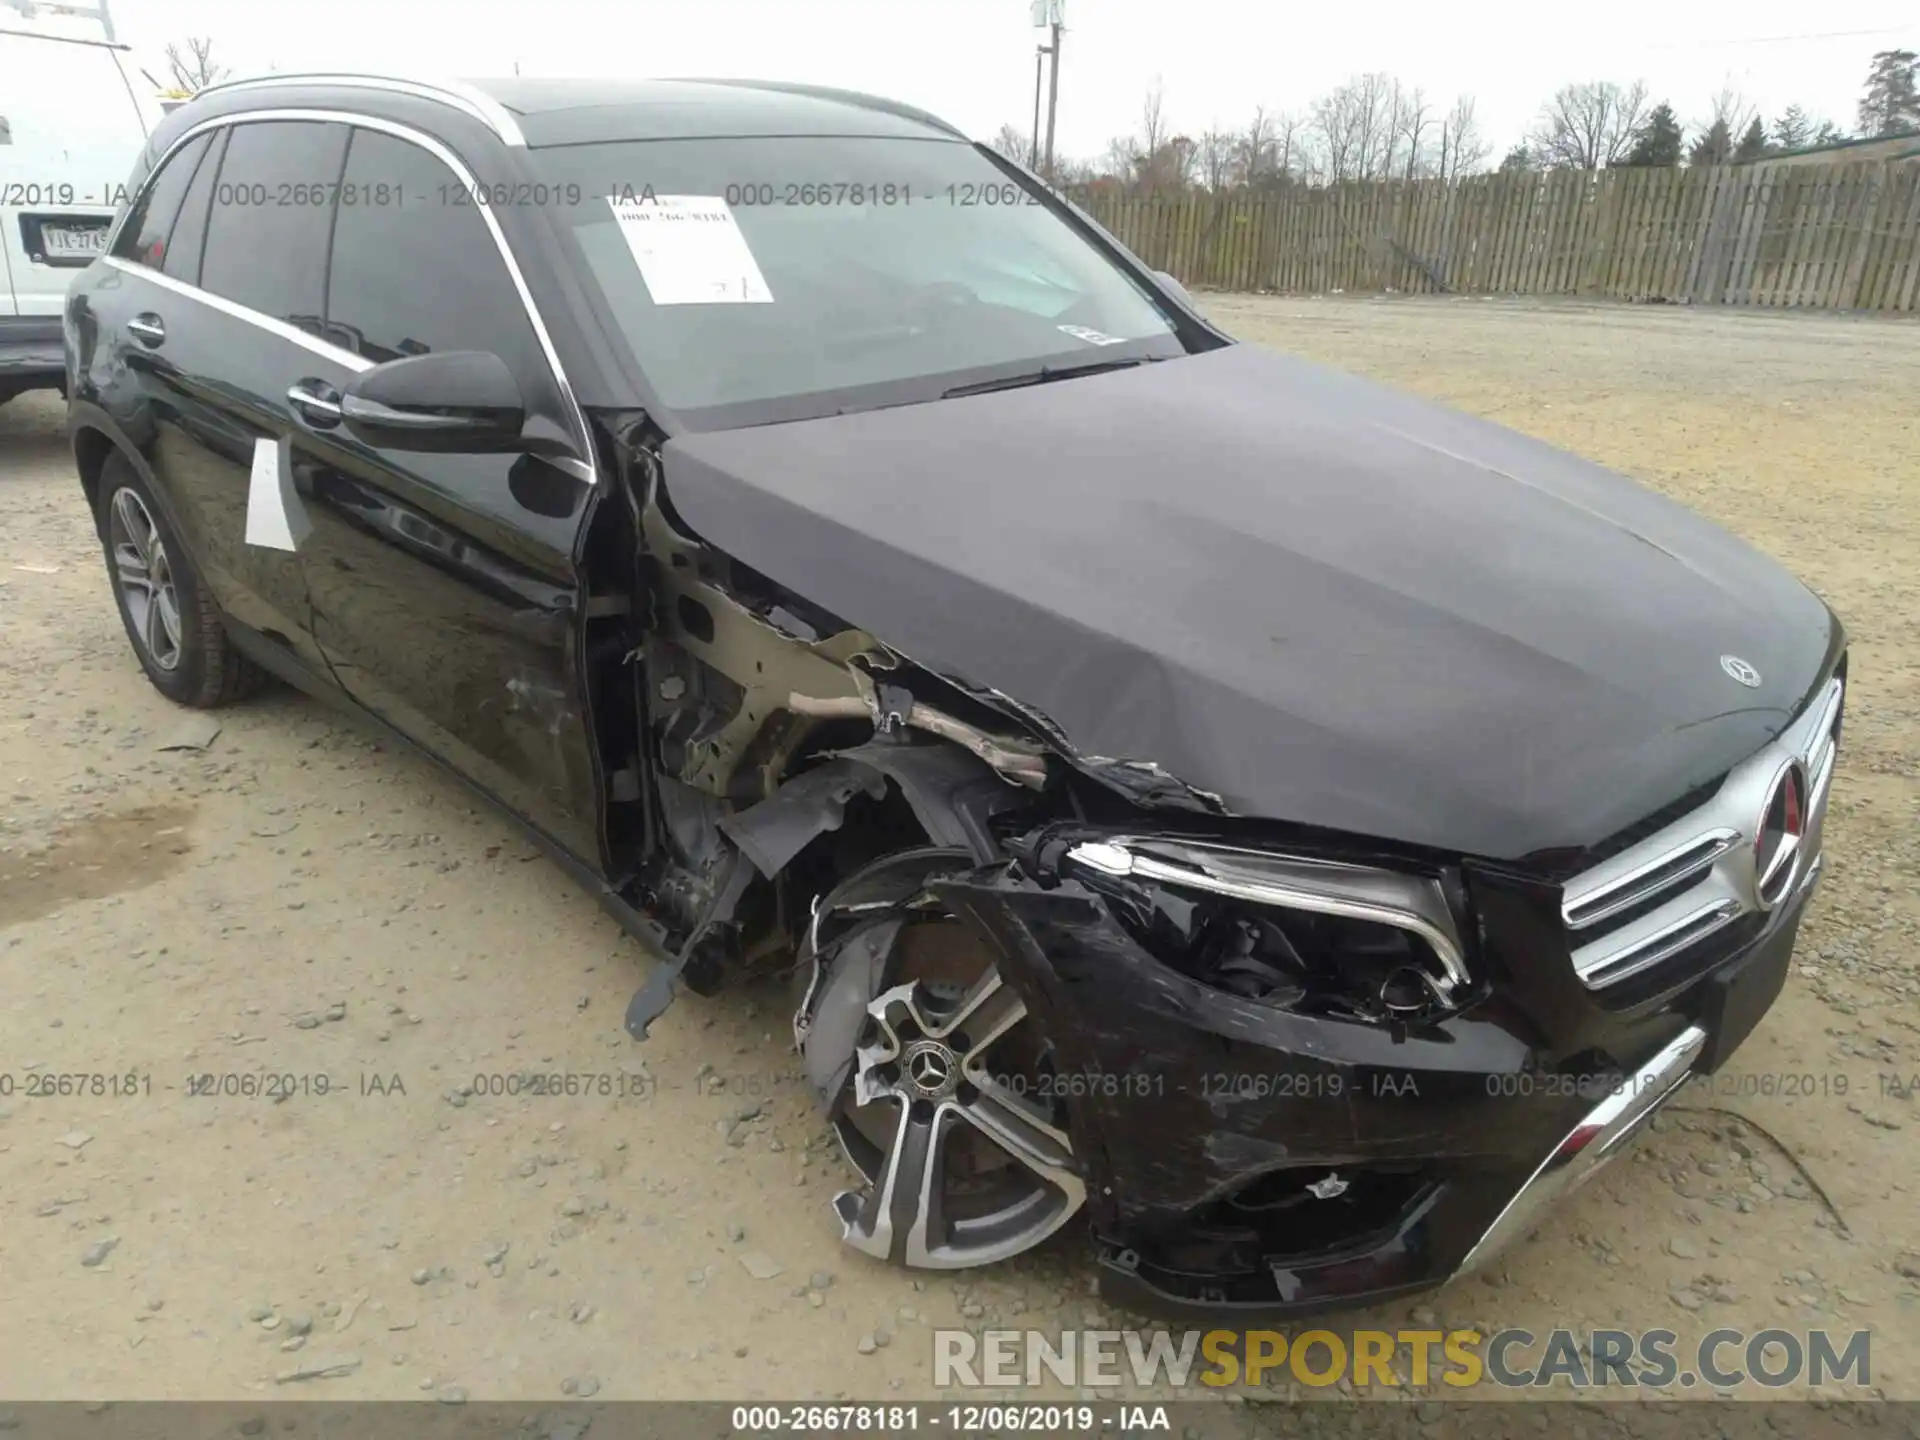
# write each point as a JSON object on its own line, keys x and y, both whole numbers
{"x": 143, "y": 240}
{"x": 190, "y": 230}
{"x": 267, "y": 226}
{"x": 414, "y": 266}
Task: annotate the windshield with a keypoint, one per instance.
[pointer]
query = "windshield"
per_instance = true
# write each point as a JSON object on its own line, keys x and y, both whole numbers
{"x": 777, "y": 277}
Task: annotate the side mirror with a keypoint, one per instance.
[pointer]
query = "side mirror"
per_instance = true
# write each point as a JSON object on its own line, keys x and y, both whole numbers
{"x": 445, "y": 400}
{"x": 1175, "y": 288}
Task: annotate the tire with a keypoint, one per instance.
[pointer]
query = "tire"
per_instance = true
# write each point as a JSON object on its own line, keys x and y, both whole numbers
{"x": 170, "y": 617}
{"x": 961, "y": 1161}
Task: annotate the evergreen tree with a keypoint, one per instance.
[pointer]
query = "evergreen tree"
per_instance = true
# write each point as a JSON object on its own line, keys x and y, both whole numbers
{"x": 1658, "y": 141}
{"x": 1519, "y": 158}
{"x": 1891, "y": 105}
{"x": 1829, "y": 134}
{"x": 1793, "y": 130}
{"x": 1753, "y": 144}
{"x": 1714, "y": 147}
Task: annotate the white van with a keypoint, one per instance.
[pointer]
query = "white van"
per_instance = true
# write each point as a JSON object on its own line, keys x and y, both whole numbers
{"x": 74, "y": 114}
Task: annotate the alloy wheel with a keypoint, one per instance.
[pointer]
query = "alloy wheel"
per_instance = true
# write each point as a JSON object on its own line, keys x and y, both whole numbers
{"x": 950, "y": 1113}
{"x": 144, "y": 575}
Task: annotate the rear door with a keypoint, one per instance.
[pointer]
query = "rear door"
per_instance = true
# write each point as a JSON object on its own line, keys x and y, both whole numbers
{"x": 444, "y": 585}
{"x": 217, "y": 316}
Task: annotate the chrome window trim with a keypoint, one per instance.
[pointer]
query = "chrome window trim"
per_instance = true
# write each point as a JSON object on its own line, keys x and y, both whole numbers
{"x": 576, "y": 417}
{"x": 460, "y": 95}
{"x": 324, "y": 349}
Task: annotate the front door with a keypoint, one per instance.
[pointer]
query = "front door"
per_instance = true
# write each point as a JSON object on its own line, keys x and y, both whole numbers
{"x": 444, "y": 586}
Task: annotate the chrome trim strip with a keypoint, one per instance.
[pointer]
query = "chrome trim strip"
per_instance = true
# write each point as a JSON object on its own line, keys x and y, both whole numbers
{"x": 1294, "y": 882}
{"x": 238, "y": 311}
{"x": 1648, "y": 951}
{"x": 1578, "y": 911}
{"x": 1590, "y": 1144}
{"x": 461, "y": 95}
{"x": 583, "y": 435}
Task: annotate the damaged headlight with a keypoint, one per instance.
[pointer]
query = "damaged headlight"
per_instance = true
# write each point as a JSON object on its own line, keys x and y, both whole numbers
{"x": 1327, "y": 936}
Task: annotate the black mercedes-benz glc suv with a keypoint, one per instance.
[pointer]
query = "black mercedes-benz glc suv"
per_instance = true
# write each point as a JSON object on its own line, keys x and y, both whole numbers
{"x": 1295, "y": 829}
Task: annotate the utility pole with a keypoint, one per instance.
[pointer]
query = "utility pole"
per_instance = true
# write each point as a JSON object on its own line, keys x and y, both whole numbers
{"x": 1050, "y": 15}
{"x": 1033, "y": 145}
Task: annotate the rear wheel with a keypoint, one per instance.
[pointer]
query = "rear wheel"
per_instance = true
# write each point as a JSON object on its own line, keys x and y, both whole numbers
{"x": 170, "y": 617}
{"x": 943, "y": 1098}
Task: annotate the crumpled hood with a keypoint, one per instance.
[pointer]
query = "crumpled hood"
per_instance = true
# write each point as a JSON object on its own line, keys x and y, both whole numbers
{"x": 1327, "y": 601}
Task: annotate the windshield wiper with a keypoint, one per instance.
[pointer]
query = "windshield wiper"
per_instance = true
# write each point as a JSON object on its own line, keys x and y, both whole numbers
{"x": 1042, "y": 376}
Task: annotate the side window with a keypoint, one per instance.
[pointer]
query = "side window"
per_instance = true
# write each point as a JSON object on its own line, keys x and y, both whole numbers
{"x": 267, "y": 227}
{"x": 143, "y": 239}
{"x": 415, "y": 268}
{"x": 190, "y": 230}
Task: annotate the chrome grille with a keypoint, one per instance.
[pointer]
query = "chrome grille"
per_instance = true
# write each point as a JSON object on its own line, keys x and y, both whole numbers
{"x": 1694, "y": 877}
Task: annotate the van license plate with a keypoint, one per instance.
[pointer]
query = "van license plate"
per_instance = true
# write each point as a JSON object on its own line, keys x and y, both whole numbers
{"x": 65, "y": 240}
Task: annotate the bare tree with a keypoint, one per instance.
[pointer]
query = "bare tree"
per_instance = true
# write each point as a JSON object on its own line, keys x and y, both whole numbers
{"x": 1120, "y": 159}
{"x": 1732, "y": 107}
{"x": 1463, "y": 149}
{"x": 1288, "y": 144}
{"x": 1412, "y": 118}
{"x": 193, "y": 67}
{"x": 1217, "y": 154}
{"x": 1352, "y": 128}
{"x": 1014, "y": 143}
{"x": 1255, "y": 151}
{"x": 1375, "y": 95}
{"x": 1588, "y": 125}
{"x": 1153, "y": 122}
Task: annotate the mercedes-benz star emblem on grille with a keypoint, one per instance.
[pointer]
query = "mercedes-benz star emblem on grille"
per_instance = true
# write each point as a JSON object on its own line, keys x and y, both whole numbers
{"x": 1776, "y": 844}
{"x": 1740, "y": 670}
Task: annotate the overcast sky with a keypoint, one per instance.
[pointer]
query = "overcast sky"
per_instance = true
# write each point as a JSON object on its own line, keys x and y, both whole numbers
{"x": 971, "y": 61}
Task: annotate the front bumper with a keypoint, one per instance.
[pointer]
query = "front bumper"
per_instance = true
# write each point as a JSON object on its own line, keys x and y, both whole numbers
{"x": 1247, "y": 1163}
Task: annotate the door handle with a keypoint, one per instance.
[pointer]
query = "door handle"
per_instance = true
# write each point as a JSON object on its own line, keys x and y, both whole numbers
{"x": 315, "y": 402}
{"x": 147, "y": 329}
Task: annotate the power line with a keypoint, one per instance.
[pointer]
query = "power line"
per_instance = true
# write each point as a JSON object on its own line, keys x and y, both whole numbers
{"x": 1777, "y": 39}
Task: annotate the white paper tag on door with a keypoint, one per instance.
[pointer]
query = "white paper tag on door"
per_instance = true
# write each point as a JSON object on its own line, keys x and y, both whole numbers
{"x": 276, "y": 520}
{"x": 690, "y": 250}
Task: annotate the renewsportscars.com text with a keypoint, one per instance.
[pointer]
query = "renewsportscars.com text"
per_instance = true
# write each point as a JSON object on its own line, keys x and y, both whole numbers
{"x": 1512, "y": 1359}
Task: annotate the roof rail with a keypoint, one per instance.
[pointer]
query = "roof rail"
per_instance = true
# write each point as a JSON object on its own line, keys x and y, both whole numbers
{"x": 844, "y": 97}
{"x": 469, "y": 99}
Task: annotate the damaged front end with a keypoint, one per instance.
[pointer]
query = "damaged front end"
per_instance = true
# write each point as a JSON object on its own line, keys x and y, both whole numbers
{"x": 1266, "y": 1074}
{"x": 1267, "y": 1064}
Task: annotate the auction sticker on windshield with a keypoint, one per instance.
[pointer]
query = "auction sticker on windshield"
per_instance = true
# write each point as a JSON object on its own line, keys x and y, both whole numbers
{"x": 690, "y": 250}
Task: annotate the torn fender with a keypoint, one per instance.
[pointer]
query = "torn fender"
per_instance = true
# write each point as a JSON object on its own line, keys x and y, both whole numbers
{"x": 953, "y": 794}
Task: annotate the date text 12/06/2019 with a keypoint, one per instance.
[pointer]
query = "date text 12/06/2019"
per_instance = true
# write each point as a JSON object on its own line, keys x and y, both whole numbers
{"x": 897, "y": 1419}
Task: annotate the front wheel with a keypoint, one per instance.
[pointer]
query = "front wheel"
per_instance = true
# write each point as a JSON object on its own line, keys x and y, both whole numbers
{"x": 942, "y": 1084}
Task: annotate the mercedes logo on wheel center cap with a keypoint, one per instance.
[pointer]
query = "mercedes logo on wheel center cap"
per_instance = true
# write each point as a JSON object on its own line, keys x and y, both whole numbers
{"x": 930, "y": 1069}
{"x": 1740, "y": 670}
{"x": 1776, "y": 843}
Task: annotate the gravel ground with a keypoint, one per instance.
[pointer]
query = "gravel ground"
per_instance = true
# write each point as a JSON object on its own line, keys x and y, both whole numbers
{"x": 296, "y": 899}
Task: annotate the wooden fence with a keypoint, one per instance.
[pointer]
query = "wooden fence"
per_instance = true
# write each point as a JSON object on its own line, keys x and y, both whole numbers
{"x": 1833, "y": 237}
